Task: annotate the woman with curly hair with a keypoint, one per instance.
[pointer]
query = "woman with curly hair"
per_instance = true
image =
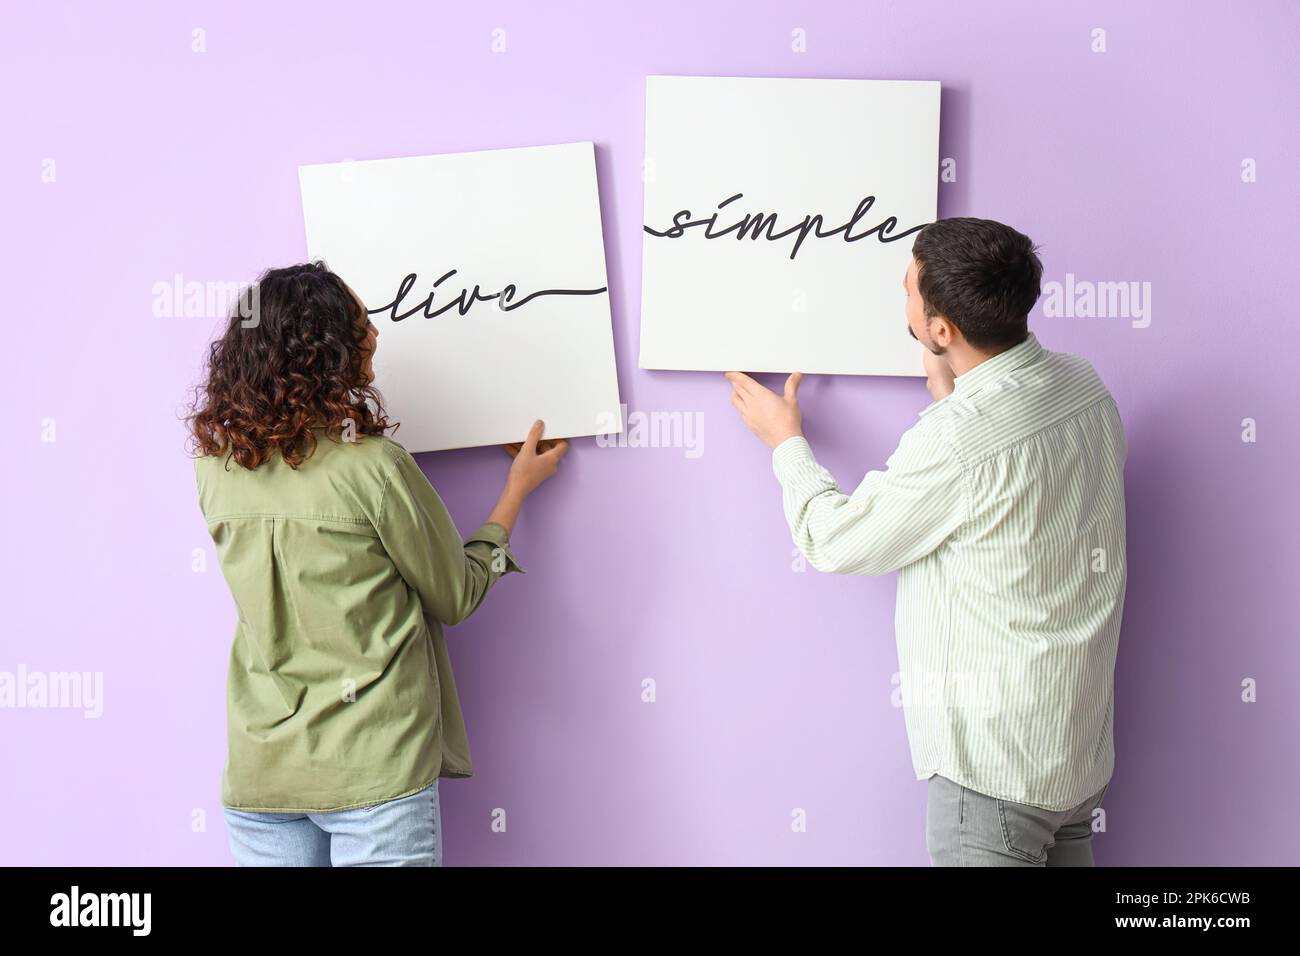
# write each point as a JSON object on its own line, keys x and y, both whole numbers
{"x": 344, "y": 565}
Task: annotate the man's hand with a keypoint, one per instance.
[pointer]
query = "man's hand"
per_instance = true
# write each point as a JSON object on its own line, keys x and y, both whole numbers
{"x": 938, "y": 374}
{"x": 772, "y": 417}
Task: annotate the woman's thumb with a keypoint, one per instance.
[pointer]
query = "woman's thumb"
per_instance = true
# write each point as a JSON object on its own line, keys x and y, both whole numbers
{"x": 534, "y": 435}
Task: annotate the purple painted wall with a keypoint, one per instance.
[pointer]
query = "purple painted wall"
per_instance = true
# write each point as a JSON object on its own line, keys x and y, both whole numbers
{"x": 774, "y": 687}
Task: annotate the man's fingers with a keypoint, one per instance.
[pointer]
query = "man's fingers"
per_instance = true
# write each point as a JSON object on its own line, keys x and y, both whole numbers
{"x": 742, "y": 382}
{"x": 792, "y": 385}
{"x": 512, "y": 449}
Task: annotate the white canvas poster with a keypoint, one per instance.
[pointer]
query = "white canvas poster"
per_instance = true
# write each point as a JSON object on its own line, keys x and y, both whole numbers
{"x": 485, "y": 275}
{"x": 779, "y": 221}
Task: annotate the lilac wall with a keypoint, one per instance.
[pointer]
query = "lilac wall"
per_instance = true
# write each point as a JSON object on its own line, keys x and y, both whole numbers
{"x": 773, "y": 686}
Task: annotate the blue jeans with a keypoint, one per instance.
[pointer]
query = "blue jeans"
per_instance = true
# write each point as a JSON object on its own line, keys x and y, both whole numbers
{"x": 401, "y": 832}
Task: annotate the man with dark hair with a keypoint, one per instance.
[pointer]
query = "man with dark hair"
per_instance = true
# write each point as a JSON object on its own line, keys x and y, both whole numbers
{"x": 1002, "y": 509}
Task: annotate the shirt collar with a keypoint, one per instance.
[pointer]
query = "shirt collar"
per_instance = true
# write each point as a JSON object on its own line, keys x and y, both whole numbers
{"x": 992, "y": 369}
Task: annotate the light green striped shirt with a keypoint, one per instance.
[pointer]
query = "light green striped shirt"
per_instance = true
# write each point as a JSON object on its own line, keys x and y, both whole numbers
{"x": 1003, "y": 512}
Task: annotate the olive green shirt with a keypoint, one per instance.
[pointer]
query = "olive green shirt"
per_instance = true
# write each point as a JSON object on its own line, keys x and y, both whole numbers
{"x": 340, "y": 692}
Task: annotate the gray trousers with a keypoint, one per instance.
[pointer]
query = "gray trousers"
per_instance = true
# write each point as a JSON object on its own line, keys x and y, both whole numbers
{"x": 966, "y": 828}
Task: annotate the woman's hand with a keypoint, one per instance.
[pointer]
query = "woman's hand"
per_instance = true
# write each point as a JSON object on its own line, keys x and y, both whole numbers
{"x": 534, "y": 460}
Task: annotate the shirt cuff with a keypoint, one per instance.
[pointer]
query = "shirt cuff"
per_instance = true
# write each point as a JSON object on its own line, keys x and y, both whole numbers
{"x": 791, "y": 457}
{"x": 496, "y": 535}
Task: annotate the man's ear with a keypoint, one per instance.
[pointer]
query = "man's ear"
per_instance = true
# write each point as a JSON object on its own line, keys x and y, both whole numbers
{"x": 943, "y": 331}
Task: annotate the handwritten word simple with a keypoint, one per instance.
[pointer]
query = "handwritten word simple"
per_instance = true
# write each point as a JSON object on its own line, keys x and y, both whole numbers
{"x": 759, "y": 225}
{"x": 465, "y": 300}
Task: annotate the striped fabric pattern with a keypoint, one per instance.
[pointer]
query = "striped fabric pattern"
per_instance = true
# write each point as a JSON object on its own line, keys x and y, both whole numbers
{"x": 1002, "y": 510}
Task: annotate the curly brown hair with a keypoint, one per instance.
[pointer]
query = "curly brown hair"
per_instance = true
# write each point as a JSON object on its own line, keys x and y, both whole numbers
{"x": 293, "y": 358}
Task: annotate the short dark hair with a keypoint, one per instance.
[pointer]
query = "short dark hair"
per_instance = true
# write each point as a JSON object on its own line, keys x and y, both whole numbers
{"x": 982, "y": 276}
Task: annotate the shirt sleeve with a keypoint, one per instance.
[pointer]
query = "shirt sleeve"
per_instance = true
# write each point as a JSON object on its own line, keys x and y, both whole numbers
{"x": 893, "y": 518}
{"x": 450, "y": 576}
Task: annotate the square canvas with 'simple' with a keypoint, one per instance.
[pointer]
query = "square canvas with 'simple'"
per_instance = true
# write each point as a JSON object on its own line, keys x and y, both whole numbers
{"x": 779, "y": 221}
{"x": 485, "y": 275}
